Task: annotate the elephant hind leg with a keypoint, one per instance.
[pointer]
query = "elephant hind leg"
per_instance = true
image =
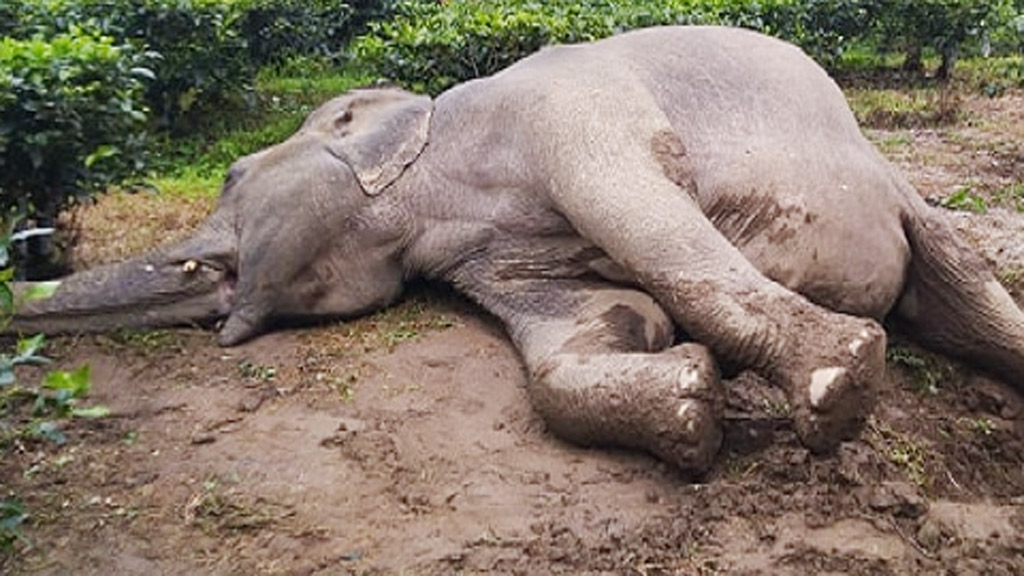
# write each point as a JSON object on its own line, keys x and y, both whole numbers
{"x": 953, "y": 304}
{"x": 608, "y": 375}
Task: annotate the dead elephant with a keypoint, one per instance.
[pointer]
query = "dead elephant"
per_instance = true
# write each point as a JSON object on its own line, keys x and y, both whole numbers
{"x": 599, "y": 199}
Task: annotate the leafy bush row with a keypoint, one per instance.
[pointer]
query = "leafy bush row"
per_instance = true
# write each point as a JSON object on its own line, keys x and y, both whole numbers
{"x": 430, "y": 46}
{"x": 208, "y": 50}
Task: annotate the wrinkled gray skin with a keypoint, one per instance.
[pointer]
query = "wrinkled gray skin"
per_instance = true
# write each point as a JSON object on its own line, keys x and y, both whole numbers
{"x": 597, "y": 199}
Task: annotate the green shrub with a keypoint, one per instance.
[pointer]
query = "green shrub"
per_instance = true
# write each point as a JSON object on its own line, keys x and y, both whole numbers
{"x": 9, "y": 18}
{"x": 277, "y": 30}
{"x": 826, "y": 29}
{"x": 210, "y": 50}
{"x": 71, "y": 118}
{"x": 202, "y": 63}
{"x": 431, "y": 46}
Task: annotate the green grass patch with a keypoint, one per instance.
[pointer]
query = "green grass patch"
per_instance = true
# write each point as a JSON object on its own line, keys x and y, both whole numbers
{"x": 894, "y": 142}
{"x": 190, "y": 182}
{"x": 142, "y": 342}
{"x": 927, "y": 372}
{"x": 406, "y": 321}
{"x": 902, "y": 450}
{"x": 195, "y": 165}
{"x": 1010, "y": 275}
{"x": 965, "y": 199}
{"x": 991, "y": 76}
{"x": 904, "y": 108}
{"x": 309, "y": 81}
{"x": 12, "y": 520}
{"x": 860, "y": 61}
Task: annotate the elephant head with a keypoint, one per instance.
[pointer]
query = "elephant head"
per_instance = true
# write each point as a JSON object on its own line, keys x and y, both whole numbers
{"x": 298, "y": 231}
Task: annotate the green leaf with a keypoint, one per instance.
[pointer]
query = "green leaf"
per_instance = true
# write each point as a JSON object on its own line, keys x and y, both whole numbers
{"x": 41, "y": 290}
{"x": 6, "y": 372}
{"x": 29, "y": 347}
{"x": 102, "y": 152}
{"x": 12, "y": 516}
{"x": 49, "y": 430}
{"x": 6, "y": 300}
{"x": 90, "y": 412}
{"x": 12, "y": 513}
{"x": 28, "y": 352}
{"x": 76, "y": 383}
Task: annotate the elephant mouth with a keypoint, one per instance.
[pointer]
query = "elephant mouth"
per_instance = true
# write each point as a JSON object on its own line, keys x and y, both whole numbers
{"x": 226, "y": 294}
{"x": 221, "y": 278}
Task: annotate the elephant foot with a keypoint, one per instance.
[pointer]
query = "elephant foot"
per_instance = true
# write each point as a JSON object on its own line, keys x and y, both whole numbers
{"x": 831, "y": 385}
{"x": 679, "y": 418}
{"x": 692, "y": 441}
{"x": 669, "y": 403}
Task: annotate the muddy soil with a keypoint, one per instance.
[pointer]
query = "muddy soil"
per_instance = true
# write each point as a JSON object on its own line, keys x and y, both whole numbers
{"x": 404, "y": 444}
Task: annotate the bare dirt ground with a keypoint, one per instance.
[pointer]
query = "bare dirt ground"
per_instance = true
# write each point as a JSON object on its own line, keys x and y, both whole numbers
{"x": 404, "y": 444}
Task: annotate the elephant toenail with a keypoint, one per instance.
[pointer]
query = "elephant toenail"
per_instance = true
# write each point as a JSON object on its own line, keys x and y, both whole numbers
{"x": 859, "y": 342}
{"x": 822, "y": 380}
{"x": 690, "y": 420}
{"x": 688, "y": 378}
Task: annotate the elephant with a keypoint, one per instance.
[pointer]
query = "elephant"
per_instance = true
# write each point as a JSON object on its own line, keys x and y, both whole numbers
{"x": 641, "y": 213}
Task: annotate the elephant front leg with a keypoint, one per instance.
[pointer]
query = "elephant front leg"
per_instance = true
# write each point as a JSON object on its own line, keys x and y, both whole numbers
{"x": 606, "y": 373}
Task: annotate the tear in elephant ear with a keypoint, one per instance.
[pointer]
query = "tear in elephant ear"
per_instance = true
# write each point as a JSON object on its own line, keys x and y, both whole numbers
{"x": 379, "y": 134}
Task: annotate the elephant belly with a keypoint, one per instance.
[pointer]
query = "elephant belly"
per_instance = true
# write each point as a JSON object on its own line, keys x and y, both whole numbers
{"x": 846, "y": 255}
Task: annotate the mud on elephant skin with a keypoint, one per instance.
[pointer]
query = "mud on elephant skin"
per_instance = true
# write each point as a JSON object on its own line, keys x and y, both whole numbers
{"x": 599, "y": 199}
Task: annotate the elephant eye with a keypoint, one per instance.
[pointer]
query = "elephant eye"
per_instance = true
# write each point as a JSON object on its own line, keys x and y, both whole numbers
{"x": 342, "y": 121}
{"x": 190, "y": 266}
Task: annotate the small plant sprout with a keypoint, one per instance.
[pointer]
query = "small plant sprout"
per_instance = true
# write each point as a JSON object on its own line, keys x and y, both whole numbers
{"x": 964, "y": 198}
{"x": 926, "y": 371}
{"x": 256, "y": 372}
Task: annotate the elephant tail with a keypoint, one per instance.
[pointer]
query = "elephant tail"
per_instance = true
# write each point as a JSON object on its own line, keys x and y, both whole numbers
{"x": 952, "y": 302}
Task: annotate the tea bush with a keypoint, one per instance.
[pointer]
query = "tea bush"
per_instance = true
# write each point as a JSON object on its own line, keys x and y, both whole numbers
{"x": 201, "y": 65}
{"x": 209, "y": 50}
{"x": 277, "y": 30}
{"x": 71, "y": 118}
{"x": 430, "y": 46}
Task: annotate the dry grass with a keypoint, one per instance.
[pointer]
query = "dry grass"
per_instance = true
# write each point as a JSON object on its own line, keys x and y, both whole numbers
{"x": 119, "y": 224}
{"x": 335, "y": 354}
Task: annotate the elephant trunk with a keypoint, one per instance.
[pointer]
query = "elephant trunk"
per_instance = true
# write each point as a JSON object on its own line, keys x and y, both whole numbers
{"x": 188, "y": 283}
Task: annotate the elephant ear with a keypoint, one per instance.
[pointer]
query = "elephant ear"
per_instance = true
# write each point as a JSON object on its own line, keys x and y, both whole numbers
{"x": 378, "y": 133}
